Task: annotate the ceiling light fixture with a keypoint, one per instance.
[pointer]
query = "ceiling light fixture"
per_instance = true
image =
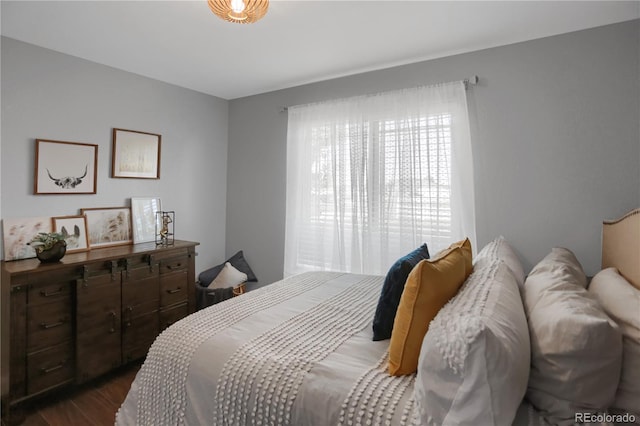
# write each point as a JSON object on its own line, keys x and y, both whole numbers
{"x": 239, "y": 11}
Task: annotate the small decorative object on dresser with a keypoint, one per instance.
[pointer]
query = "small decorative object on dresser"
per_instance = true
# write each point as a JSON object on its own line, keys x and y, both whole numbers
{"x": 165, "y": 224}
{"x": 49, "y": 246}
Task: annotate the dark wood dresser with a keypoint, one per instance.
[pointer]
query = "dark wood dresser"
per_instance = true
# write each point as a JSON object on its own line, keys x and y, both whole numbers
{"x": 68, "y": 322}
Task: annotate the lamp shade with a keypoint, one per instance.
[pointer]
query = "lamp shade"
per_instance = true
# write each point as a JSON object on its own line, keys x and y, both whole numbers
{"x": 239, "y": 11}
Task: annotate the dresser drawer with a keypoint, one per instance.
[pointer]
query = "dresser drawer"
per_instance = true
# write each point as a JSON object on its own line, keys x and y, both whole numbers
{"x": 48, "y": 324}
{"x": 48, "y": 293}
{"x": 173, "y": 315}
{"x": 50, "y": 367}
{"x": 172, "y": 253}
{"x": 173, "y": 288}
{"x": 176, "y": 264}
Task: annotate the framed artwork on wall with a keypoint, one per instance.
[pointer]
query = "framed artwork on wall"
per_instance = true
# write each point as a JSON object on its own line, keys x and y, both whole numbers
{"x": 143, "y": 216}
{"x": 135, "y": 154}
{"x": 65, "y": 167}
{"x": 74, "y": 229}
{"x": 109, "y": 226}
{"x": 18, "y": 233}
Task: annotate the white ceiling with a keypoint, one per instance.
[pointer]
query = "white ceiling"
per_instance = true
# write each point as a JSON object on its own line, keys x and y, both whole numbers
{"x": 297, "y": 42}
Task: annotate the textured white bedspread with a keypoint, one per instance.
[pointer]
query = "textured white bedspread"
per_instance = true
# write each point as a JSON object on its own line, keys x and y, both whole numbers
{"x": 297, "y": 352}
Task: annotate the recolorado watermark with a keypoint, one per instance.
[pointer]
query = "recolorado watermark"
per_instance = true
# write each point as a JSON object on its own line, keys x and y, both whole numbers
{"x": 604, "y": 418}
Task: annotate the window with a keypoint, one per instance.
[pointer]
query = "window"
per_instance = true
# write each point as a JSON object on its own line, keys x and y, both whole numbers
{"x": 370, "y": 178}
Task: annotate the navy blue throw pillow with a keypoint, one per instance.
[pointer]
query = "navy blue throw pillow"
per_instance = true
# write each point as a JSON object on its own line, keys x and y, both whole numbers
{"x": 392, "y": 291}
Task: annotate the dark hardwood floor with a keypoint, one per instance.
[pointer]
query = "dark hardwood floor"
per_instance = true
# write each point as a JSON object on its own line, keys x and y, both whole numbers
{"x": 92, "y": 404}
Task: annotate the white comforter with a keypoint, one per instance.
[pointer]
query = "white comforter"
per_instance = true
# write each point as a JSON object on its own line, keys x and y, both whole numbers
{"x": 296, "y": 352}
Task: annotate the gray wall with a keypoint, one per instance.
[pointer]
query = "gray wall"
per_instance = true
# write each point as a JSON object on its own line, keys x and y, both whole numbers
{"x": 555, "y": 128}
{"x": 49, "y": 95}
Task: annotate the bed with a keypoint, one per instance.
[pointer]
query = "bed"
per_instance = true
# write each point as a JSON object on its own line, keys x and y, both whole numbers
{"x": 300, "y": 352}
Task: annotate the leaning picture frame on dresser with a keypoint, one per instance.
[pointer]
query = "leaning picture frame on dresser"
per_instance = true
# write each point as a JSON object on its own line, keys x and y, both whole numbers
{"x": 18, "y": 232}
{"x": 143, "y": 217}
{"x": 74, "y": 230}
{"x": 108, "y": 226}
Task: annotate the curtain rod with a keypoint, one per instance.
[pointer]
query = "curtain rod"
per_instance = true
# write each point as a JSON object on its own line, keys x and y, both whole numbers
{"x": 471, "y": 81}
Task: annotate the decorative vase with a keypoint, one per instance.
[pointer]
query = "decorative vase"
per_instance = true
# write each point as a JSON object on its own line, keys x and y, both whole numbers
{"x": 54, "y": 254}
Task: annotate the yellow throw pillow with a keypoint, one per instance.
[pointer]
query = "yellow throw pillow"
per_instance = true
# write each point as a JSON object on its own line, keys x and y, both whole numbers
{"x": 465, "y": 245}
{"x": 430, "y": 285}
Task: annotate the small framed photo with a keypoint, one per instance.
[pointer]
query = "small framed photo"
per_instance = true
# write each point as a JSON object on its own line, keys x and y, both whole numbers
{"x": 65, "y": 167}
{"x": 109, "y": 226}
{"x": 19, "y": 232}
{"x": 74, "y": 229}
{"x": 135, "y": 154}
{"x": 143, "y": 214}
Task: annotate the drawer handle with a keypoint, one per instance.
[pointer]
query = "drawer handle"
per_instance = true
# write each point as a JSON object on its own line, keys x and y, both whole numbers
{"x": 177, "y": 265}
{"x": 114, "y": 322}
{"x": 130, "y": 311}
{"x": 52, "y": 369}
{"x": 177, "y": 290}
{"x": 44, "y": 293}
{"x": 46, "y": 326}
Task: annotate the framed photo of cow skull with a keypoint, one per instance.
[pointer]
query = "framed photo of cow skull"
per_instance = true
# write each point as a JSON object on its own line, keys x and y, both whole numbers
{"x": 65, "y": 167}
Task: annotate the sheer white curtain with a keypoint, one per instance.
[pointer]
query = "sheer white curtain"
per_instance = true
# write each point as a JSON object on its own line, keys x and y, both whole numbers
{"x": 371, "y": 178}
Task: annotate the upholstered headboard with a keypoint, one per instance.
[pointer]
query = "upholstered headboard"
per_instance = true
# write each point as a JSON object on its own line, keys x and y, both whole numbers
{"x": 621, "y": 246}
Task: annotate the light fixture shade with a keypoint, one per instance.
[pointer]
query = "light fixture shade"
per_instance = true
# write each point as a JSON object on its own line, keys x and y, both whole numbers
{"x": 252, "y": 10}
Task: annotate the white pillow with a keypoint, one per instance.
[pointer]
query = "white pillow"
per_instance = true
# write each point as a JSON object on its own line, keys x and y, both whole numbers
{"x": 500, "y": 249}
{"x": 561, "y": 264}
{"x": 474, "y": 360}
{"x": 228, "y": 277}
{"x": 576, "y": 349}
{"x": 621, "y": 301}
